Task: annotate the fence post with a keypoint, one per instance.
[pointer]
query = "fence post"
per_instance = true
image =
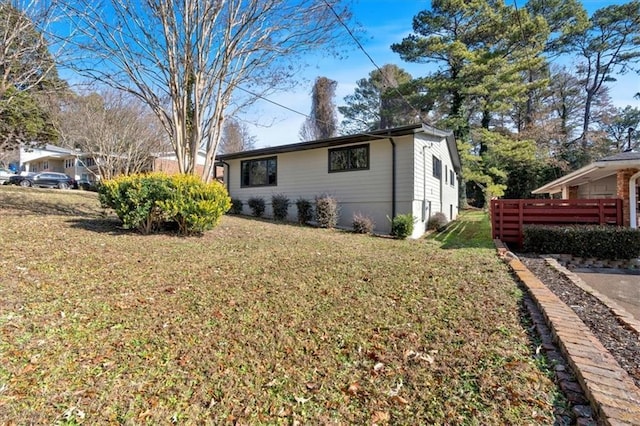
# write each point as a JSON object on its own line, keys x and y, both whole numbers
{"x": 601, "y": 211}
{"x": 520, "y": 220}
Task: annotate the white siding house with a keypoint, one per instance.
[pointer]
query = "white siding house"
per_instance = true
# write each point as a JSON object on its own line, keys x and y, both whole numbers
{"x": 411, "y": 169}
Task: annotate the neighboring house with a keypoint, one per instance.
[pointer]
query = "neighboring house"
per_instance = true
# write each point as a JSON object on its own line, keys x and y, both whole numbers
{"x": 411, "y": 169}
{"x": 82, "y": 167}
{"x": 51, "y": 158}
{"x": 615, "y": 176}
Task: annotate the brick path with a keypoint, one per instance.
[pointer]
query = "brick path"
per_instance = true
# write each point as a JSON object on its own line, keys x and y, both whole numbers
{"x": 610, "y": 390}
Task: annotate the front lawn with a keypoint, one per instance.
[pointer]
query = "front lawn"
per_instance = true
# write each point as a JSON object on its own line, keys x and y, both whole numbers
{"x": 254, "y": 323}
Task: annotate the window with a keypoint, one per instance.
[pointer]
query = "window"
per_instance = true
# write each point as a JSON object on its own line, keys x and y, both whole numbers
{"x": 452, "y": 178}
{"x": 89, "y": 161}
{"x": 446, "y": 174}
{"x": 68, "y": 163}
{"x": 261, "y": 172}
{"x": 437, "y": 167}
{"x": 44, "y": 165}
{"x": 349, "y": 158}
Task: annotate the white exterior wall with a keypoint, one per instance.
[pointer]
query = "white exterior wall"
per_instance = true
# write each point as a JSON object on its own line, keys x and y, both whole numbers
{"x": 432, "y": 195}
{"x": 305, "y": 174}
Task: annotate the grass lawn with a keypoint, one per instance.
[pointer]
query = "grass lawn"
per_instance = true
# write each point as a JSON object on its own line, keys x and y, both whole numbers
{"x": 256, "y": 323}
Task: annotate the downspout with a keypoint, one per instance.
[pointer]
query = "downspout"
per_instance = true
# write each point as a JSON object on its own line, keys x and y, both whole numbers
{"x": 441, "y": 188}
{"x": 393, "y": 178}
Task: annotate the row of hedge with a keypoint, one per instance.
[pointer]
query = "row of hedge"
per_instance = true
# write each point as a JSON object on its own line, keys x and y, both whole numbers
{"x": 326, "y": 212}
{"x": 597, "y": 241}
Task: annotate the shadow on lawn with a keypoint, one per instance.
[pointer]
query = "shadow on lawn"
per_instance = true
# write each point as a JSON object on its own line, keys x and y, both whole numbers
{"x": 111, "y": 226}
{"x": 470, "y": 229}
{"x": 39, "y": 202}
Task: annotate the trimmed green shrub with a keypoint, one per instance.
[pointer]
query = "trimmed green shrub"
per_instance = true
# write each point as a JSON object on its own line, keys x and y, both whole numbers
{"x": 362, "y": 224}
{"x": 598, "y": 241}
{"x": 437, "y": 221}
{"x": 134, "y": 199}
{"x": 149, "y": 202}
{"x": 305, "y": 211}
{"x": 327, "y": 211}
{"x": 402, "y": 225}
{"x": 236, "y": 206}
{"x": 257, "y": 206}
{"x": 194, "y": 205}
{"x": 280, "y": 206}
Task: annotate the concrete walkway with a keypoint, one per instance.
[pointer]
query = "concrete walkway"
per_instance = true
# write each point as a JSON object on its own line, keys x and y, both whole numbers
{"x": 621, "y": 287}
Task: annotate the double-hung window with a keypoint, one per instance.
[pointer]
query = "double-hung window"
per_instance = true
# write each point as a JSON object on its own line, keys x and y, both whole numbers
{"x": 259, "y": 172}
{"x": 349, "y": 158}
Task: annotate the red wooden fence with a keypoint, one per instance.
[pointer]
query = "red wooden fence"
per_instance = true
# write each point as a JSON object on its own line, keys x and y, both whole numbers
{"x": 509, "y": 216}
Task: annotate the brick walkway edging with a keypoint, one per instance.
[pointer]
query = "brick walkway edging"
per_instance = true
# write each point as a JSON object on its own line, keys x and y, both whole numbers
{"x": 610, "y": 390}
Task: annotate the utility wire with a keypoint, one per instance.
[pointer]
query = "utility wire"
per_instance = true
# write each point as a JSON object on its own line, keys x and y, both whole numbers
{"x": 361, "y": 47}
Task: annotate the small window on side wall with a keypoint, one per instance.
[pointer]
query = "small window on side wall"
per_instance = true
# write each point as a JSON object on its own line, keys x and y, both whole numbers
{"x": 452, "y": 178}
{"x": 259, "y": 172}
{"x": 437, "y": 167}
{"x": 349, "y": 158}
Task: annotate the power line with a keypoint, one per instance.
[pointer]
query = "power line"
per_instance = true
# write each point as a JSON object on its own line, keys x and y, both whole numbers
{"x": 361, "y": 47}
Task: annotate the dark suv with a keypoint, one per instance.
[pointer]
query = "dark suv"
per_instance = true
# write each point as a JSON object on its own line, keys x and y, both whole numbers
{"x": 46, "y": 179}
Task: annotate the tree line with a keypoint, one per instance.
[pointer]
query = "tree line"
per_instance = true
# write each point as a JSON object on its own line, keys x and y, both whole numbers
{"x": 497, "y": 80}
{"x": 187, "y": 69}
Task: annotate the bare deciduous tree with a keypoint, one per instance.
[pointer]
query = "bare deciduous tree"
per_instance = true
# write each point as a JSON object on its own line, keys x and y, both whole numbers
{"x": 186, "y": 59}
{"x": 236, "y": 137}
{"x": 117, "y": 130}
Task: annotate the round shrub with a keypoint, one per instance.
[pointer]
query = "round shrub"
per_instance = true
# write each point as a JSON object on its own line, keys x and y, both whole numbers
{"x": 305, "y": 211}
{"x": 280, "y": 206}
{"x": 362, "y": 224}
{"x": 402, "y": 226}
{"x": 257, "y": 206}
{"x": 147, "y": 202}
{"x": 437, "y": 221}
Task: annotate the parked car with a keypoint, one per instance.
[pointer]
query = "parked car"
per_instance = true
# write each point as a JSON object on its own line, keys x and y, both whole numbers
{"x": 5, "y": 174}
{"x": 45, "y": 179}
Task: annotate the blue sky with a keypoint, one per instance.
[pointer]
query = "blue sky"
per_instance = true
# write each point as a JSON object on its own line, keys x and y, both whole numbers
{"x": 386, "y": 22}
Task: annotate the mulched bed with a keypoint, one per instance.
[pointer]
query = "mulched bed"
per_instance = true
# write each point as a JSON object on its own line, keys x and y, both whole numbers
{"x": 624, "y": 344}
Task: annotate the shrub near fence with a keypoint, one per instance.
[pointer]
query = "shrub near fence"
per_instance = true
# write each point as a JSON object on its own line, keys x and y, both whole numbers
{"x": 602, "y": 242}
{"x": 508, "y": 217}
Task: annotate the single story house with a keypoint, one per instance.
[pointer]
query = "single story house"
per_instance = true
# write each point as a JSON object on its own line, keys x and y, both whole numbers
{"x": 406, "y": 170}
{"x": 615, "y": 176}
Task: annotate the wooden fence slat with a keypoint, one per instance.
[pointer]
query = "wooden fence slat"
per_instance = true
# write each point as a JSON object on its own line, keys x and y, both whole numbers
{"x": 508, "y": 217}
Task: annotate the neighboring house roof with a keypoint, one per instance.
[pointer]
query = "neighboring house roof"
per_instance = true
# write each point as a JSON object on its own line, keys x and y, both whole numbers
{"x": 384, "y": 134}
{"x": 602, "y": 168}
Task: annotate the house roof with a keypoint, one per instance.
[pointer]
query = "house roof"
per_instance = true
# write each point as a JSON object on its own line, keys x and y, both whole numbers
{"x": 384, "y": 134}
{"x": 599, "y": 169}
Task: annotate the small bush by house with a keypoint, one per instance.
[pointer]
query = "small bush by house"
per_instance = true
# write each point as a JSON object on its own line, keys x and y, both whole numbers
{"x": 236, "y": 206}
{"x": 305, "y": 211}
{"x": 603, "y": 242}
{"x": 362, "y": 224}
{"x": 147, "y": 202}
{"x": 437, "y": 221}
{"x": 327, "y": 211}
{"x": 257, "y": 206}
{"x": 280, "y": 206}
{"x": 402, "y": 225}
